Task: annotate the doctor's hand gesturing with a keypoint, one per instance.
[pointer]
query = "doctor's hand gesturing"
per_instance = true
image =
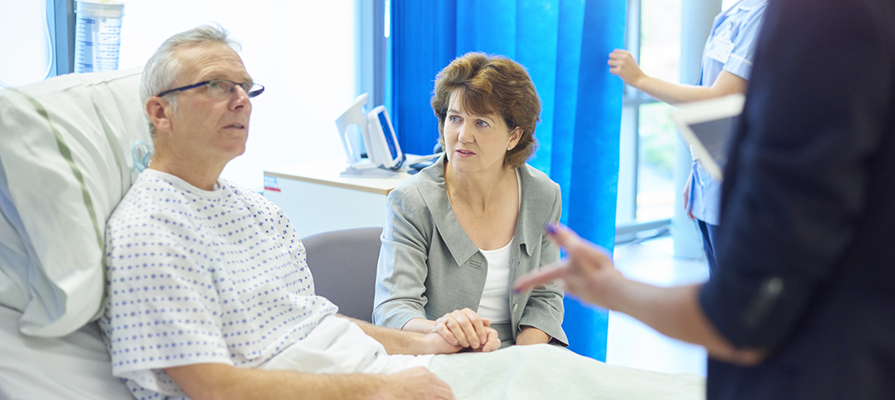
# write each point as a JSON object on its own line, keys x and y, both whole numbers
{"x": 586, "y": 272}
{"x": 465, "y": 328}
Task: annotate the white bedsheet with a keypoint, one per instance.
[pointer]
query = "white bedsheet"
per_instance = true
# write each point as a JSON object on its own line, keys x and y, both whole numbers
{"x": 78, "y": 367}
{"x": 339, "y": 346}
{"x": 553, "y": 373}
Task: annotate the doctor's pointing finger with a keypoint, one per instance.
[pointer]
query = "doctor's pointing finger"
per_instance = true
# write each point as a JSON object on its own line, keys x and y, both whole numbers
{"x": 586, "y": 272}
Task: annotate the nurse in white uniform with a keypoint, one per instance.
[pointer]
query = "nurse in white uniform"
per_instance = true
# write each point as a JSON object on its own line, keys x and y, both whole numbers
{"x": 726, "y": 65}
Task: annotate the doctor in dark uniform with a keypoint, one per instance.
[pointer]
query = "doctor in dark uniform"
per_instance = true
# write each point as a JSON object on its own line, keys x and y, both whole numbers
{"x": 804, "y": 305}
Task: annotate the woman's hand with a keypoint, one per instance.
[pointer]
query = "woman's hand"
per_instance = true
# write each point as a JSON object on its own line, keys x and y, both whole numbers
{"x": 465, "y": 328}
{"x": 622, "y": 64}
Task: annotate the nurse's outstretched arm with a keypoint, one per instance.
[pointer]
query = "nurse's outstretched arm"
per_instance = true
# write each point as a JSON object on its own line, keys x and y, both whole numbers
{"x": 588, "y": 273}
{"x": 622, "y": 64}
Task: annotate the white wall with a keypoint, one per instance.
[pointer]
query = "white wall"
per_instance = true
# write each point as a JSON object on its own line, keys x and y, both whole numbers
{"x": 302, "y": 51}
{"x": 24, "y": 42}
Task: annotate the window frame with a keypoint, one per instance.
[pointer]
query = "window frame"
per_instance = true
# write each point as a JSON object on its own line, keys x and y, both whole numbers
{"x": 61, "y": 21}
{"x": 628, "y": 227}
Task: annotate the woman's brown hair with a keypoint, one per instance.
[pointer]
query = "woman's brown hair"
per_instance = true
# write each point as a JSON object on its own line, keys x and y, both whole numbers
{"x": 491, "y": 84}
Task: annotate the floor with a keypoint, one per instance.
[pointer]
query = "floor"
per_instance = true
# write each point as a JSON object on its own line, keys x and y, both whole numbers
{"x": 633, "y": 344}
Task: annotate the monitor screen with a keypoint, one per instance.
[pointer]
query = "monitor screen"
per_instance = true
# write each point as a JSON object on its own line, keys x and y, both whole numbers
{"x": 389, "y": 135}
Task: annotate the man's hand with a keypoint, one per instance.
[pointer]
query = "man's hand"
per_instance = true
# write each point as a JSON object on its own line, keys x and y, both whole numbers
{"x": 464, "y": 328}
{"x": 412, "y": 384}
{"x": 218, "y": 381}
{"x": 415, "y": 342}
{"x": 586, "y": 272}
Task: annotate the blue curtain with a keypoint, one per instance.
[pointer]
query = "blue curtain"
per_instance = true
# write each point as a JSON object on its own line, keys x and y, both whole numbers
{"x": 564, "y": 44}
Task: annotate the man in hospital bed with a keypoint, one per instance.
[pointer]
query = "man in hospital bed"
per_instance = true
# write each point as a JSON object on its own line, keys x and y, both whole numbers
{"x": 209, "y": 295}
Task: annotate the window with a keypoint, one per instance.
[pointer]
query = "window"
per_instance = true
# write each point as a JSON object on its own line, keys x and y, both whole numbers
{"x": 660, "y": 51}
{"x": 650, "y": 173}
{"x": 646, "y": 176}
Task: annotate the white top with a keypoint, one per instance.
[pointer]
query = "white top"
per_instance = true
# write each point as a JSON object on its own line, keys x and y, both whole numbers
{"x": 199, "y": 276}
{"x": 495, "y": 303}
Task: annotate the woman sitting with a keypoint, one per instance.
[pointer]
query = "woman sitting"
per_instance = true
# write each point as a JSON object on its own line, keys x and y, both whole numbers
{"x": 462, "y": 230}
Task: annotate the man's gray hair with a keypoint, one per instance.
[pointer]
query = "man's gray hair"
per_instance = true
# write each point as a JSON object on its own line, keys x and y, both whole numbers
{"x": 163, "y": 68}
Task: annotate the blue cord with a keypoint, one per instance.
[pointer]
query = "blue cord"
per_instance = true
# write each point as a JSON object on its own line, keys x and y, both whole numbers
{"x": 140, "y": 163}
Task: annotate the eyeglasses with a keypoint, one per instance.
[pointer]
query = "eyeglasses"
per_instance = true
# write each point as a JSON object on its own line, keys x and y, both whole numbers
{"x": 221, "y": 88}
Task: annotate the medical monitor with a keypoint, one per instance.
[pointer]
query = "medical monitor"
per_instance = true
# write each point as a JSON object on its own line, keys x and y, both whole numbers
{"x": 376, "y": 145}
{"x": 383, "y": 134}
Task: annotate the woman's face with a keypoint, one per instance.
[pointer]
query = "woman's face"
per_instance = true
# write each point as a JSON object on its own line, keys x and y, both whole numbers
{"x": 476, "y": 143}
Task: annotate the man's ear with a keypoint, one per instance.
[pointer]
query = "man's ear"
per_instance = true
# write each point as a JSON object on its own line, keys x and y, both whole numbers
{"x": 160, "y": 113}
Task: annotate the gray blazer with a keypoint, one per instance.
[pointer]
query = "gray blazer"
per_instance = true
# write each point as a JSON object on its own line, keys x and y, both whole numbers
{"x": 428, "y": 265}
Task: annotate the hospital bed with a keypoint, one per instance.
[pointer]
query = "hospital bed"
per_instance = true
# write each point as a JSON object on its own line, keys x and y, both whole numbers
{"x": 67, "y": 159}
{"x": 65, "y": 163}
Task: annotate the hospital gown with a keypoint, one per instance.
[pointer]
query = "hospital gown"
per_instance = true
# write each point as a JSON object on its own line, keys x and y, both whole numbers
{"x": 198, "y": 276}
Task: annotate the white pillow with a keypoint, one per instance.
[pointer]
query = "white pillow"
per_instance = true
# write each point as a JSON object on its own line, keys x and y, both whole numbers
{"x": 73, "y": 367}
{"x": 66, "y": 163}
{"x": 13, "y": 255}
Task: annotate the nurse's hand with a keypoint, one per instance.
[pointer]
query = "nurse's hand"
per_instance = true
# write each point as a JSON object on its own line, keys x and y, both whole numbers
{"x": 687, "y": 196}
{"x": 622, "y": 64}
{"x": 465, "y": 328}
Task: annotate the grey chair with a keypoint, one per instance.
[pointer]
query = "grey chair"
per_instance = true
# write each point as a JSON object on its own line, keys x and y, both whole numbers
{"x": 343, "y": 264}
